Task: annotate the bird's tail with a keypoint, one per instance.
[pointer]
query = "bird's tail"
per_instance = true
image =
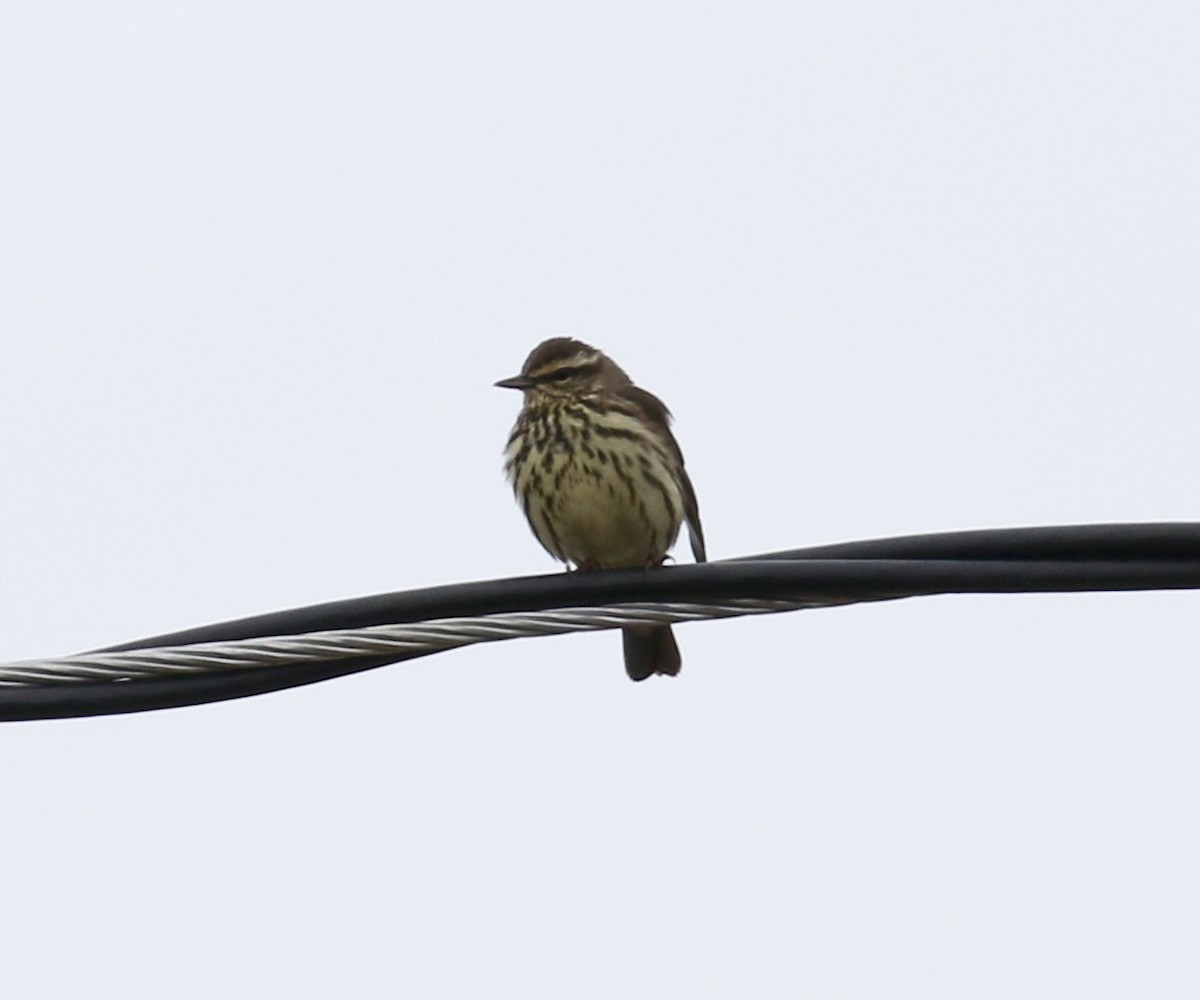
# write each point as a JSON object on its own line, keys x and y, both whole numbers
{"x": 650, "y": 649}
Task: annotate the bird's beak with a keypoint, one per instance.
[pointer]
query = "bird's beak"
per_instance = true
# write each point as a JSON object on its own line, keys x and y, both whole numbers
{"x": 516, "y": 382}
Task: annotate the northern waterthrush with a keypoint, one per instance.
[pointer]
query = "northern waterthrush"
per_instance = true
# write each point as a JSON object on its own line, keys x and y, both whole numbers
{"x": 595, "y": 467}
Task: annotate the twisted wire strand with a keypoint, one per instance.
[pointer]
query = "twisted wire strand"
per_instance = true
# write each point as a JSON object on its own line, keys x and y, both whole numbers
{"x": 430, "y": 636}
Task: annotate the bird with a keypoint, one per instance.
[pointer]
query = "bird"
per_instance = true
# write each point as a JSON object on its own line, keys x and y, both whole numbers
{"x": 596, "y": 469}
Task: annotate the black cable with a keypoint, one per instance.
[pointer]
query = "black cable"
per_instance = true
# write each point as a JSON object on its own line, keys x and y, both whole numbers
{"x": 1022, "y": 560}
{"x": 1088, "y": 542}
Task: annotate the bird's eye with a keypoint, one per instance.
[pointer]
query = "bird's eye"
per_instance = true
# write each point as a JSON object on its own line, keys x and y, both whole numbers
{"x": 561, "y": 374}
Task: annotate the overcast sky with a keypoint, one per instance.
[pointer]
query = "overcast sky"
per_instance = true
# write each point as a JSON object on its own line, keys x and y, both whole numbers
{"x": 895, "y": 268}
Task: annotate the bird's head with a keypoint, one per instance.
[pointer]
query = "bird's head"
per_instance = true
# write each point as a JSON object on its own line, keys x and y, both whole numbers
{"x": 562, "y": 367}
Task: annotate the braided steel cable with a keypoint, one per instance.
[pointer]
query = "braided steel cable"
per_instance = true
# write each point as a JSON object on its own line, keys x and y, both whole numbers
{"x": 306, "y": 645}
{"x": 410, "y": 640}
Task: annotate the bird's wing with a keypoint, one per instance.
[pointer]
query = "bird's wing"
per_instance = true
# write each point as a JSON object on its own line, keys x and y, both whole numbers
{"x": 655, "y": 411}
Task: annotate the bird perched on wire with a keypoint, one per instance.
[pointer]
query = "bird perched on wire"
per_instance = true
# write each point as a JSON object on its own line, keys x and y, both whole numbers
{"x": 595, "y": 467}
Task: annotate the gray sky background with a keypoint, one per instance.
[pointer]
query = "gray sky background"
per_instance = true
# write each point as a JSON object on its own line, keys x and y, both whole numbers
{"x": 896, "y": 268}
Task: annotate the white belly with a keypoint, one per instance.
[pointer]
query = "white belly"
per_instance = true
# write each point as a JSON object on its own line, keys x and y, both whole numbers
{"x": 598, "y": 522}
{"x": 614, "y": 514}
